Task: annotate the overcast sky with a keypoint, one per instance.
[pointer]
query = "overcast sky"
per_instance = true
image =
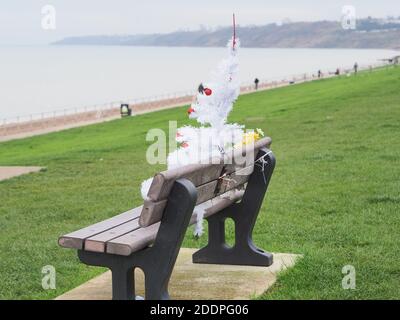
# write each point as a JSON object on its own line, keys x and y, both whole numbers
{"x": 21, "y": 20}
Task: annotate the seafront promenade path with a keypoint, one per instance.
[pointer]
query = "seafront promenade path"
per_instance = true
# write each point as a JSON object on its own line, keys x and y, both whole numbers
{"x": 45, "y": 123}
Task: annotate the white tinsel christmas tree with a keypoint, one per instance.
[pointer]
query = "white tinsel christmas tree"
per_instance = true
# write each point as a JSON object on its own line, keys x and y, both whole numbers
{"x": 213, "y": 103}
{"x": 214, "y": 137}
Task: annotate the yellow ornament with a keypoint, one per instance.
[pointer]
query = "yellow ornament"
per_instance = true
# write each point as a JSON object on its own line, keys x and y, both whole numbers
{"x": 250, "y": 138}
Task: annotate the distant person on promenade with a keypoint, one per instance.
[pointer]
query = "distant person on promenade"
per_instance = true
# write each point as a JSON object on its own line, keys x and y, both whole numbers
{"x": 256, "y": 82}
{"x": 356, "y": 68}
{"x": 337, "y": 72}
{"x": 319, "y": 73}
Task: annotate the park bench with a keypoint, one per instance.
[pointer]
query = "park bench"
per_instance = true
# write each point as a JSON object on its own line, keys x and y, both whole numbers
{"x": 149, "y": 237}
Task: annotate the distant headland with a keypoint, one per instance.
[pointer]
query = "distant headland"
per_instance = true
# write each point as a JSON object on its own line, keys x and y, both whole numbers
{"x": 369, "y": 33}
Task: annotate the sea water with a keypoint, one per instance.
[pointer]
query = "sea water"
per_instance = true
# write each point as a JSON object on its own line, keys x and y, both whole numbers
{"x": 35, "y": 79}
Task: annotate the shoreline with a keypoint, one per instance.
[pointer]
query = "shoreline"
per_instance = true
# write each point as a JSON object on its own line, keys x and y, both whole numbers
{"x": 20, "y": 130}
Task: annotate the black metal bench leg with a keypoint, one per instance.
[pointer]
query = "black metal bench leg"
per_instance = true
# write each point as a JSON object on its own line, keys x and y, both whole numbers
{"x": 160, "y": 262}
{"x": 123, "y": 283}
{"x": 244, "y": 214}
{"x": 123, "y": 279}
{"x": 157, "y": 288}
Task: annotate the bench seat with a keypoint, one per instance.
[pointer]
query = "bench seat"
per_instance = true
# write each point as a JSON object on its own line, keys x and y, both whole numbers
{"x": 123, "y": 235}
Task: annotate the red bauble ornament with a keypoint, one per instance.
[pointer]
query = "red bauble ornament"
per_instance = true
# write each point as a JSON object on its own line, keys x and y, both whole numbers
{"x": 190, "y": 110}
{"x": 178, "y": 135}
{"x": 184, "y": 145}
{"x": 208, "y": 91}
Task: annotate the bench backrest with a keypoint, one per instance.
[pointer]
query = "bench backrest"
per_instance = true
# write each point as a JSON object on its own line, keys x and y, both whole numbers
{"x": 210, "y": 180}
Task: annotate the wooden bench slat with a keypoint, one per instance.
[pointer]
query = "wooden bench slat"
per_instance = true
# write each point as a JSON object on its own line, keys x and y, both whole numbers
{"x": 142, "y": 238}
{"x": 231, "y": 181}
{"x": 218, "y": 205}
{"x": 197, "y": 173}
{"x": 98, "y": 242}
{"x": 203, "y": 176}
{"x": 133, "y": 241}
{"x": 152, "y": 211}
{"x": 76, "y": 239}
{"x": 200, "y": 174}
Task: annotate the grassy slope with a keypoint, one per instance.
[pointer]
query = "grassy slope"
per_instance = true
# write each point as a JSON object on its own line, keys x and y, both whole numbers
{"x": 334, "y": 196}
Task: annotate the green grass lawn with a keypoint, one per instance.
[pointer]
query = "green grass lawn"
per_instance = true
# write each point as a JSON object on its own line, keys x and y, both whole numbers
{"x": 334, "y": 196}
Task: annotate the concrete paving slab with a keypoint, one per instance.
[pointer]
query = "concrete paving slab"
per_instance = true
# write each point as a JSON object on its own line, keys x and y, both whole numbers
{"x": 10, "y": 172}
{"x": 197, "y": 281}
